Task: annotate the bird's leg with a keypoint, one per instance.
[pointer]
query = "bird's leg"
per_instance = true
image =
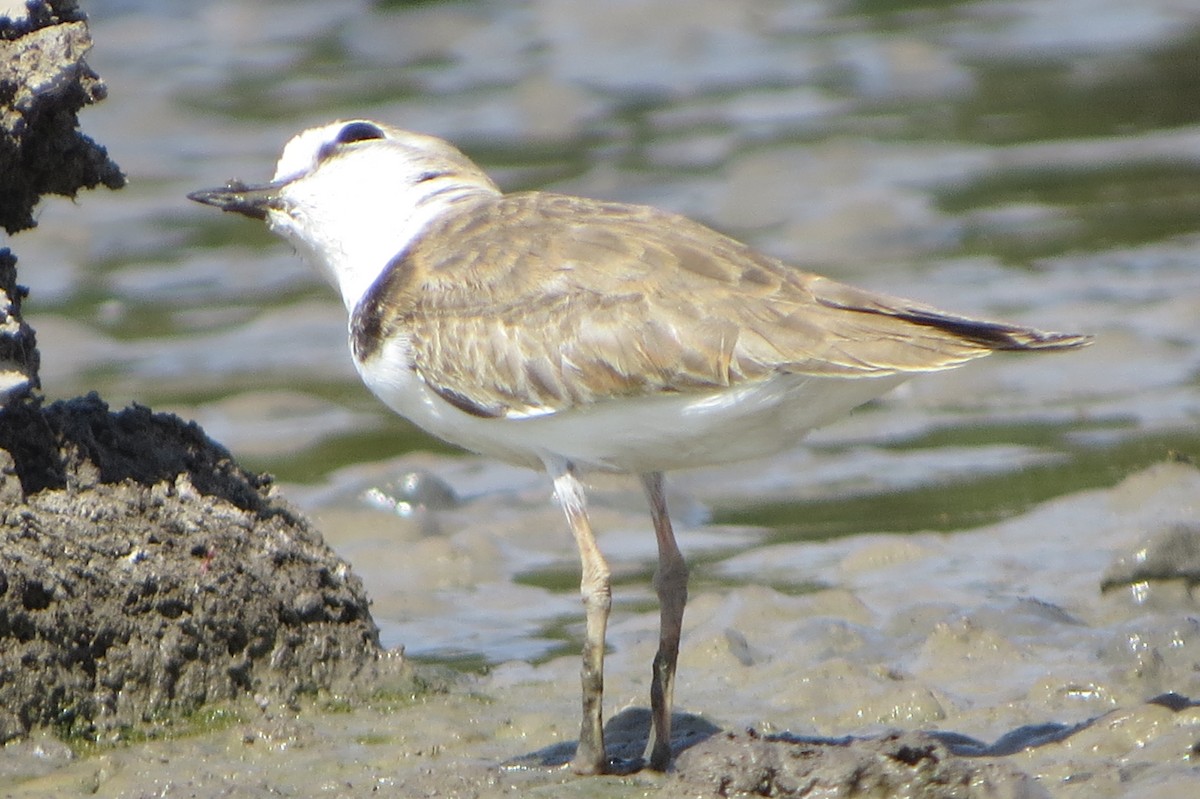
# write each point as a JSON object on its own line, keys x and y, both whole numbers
{"x": 595, "y": 588}
{"x": 670, "y": 581}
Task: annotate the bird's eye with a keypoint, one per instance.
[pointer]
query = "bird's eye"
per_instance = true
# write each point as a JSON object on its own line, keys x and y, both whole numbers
{"x": 358, "y": 131}
{"x": 350, "y": 133}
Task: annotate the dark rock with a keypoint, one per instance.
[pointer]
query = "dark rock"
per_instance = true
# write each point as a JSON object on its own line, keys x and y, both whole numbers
{"x": 144, "y": 574}
{"x": 44, "y": 81}
{"x": 19, "y": 358}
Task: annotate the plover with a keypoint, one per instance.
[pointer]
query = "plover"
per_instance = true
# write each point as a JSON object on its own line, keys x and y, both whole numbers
{"x": 569, "y": 334}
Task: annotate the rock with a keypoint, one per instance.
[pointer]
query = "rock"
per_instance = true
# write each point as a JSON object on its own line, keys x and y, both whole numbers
{"x": 145, "y": 574}
{"x": 44, "y": 81}
{"x": 19, "y": 358}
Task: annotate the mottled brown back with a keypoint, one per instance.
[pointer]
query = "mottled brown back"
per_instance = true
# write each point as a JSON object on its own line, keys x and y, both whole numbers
{"x": 533, "y": 303}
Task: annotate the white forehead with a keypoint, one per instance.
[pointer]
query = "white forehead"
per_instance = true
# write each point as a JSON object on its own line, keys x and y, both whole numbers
{"x": 300, "y": 153}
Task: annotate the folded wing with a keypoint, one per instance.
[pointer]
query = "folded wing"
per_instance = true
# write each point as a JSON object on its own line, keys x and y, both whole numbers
{"x": 569, "y": 302}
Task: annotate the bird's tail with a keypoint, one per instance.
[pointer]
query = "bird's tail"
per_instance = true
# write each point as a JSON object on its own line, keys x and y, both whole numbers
{"x": 991, "y": 335}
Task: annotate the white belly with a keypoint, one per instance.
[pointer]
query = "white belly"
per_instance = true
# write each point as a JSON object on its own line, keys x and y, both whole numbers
{"x": 658, "y": 433}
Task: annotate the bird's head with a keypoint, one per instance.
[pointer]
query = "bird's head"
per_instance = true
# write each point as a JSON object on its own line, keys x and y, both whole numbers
{"x": 352, "y": 194}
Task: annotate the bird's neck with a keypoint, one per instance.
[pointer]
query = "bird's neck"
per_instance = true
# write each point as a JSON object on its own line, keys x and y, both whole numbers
{"x": 367, "y": 239}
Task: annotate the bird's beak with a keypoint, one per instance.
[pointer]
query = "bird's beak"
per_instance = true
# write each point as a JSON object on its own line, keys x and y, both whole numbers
{"x": 251, "y": 201}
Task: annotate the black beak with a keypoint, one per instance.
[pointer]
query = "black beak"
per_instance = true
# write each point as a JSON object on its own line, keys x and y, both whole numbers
{"x": 235, "y": 196}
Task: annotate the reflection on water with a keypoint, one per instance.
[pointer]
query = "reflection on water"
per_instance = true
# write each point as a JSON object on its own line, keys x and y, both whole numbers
{"x": 1090, "y": 207}
{"x": 974, "y": 499}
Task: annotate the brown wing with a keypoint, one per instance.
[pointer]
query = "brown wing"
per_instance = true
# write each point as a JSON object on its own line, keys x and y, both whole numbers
{"x": 537, "y": 303}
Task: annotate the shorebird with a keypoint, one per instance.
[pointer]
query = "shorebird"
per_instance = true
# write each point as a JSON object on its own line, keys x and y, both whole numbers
{"x": 569, "y": 334}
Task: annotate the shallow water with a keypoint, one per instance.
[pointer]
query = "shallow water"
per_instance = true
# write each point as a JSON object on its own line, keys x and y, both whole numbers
{"x": 1032, "y": 161}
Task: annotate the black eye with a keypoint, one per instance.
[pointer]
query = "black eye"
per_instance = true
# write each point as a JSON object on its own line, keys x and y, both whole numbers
{"x": 358, "y": 131}
{"x": 350, "y": 133}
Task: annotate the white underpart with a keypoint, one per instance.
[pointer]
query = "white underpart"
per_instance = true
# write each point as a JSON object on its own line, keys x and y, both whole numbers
{"x": 654, "y": 433}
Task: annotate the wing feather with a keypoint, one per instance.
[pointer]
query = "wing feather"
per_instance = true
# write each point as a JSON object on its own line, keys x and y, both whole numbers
{"x": 536, "y": 303}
